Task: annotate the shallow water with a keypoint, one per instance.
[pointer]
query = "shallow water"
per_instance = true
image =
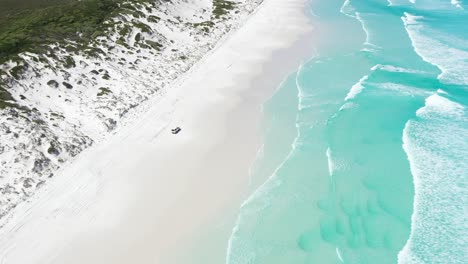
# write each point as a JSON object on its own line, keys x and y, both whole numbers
{"x": 378, "y": 170}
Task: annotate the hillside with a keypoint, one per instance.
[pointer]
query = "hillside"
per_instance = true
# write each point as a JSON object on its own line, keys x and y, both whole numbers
{"x": 72, "y": 73}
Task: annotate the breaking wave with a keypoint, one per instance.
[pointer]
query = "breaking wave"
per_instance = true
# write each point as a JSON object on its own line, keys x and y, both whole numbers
{"x": 437, "y": 149}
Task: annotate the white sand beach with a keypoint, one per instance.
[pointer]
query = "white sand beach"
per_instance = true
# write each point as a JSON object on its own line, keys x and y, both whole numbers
{"x": 148, "y": 196}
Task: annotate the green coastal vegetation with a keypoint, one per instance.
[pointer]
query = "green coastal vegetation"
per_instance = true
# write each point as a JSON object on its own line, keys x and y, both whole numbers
{"x": 27, "y": 25}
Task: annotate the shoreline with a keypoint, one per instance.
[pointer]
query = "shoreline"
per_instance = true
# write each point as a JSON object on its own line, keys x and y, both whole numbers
{"x": 105, "y": 215}
{"x": 220, "y": 227}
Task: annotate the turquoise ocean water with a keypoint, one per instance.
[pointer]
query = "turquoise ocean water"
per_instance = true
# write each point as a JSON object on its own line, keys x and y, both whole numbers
{"x": 366, "y": 145}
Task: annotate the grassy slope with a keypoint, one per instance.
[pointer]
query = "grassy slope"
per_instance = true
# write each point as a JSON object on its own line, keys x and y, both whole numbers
{"x": 11, "y": 6}
{"x": 25, "y": 25}
{"x": 24, "y": 29}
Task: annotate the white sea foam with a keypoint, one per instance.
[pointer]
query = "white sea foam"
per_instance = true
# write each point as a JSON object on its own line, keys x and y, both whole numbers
{"x": 457, "y": 3}
{"x": 330, "y": 162}
{"x": 301, "y": 93}
{"x": 437, "y": 150}
{"x": 453, "y": 62}
{"x": 347, "y": 105}
{"x": 440, "y": 91}
{"x": 356, "y": 88}
{"x": 300, "y": 89}
{"x": 391, "y": 68}
{"x": 338, "y": 254}
{"x": 411, "y": 19}
{"x": 438, "y": 105}
{"x": 398, "y": 2}
{"x": 348, "y": 9}
{"x": 365, "y": 28}
{"x": 403, "y": 89}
